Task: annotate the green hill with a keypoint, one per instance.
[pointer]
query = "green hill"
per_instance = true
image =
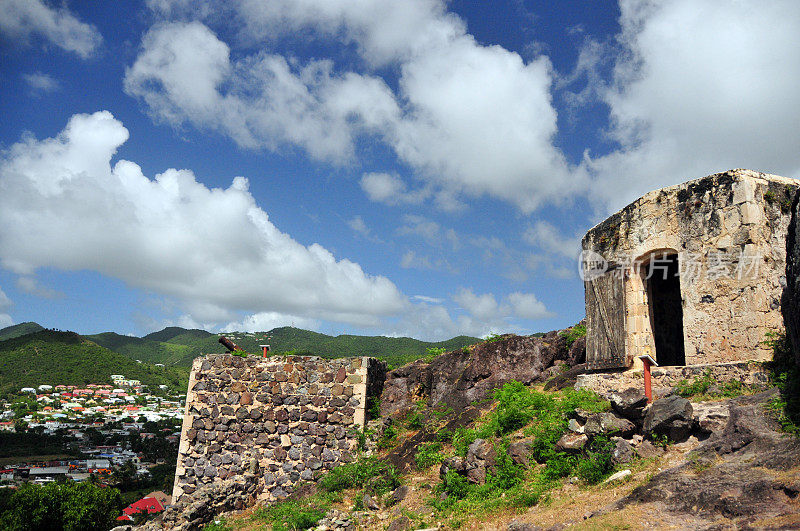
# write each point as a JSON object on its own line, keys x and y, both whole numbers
{"x": 50, "y": 357}
{"x": 175, "y": 346}
{"x": 17, "y": 330}
{"x": 145, "y": 350}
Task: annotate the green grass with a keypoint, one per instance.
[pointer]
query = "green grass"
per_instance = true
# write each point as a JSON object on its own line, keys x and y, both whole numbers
{"x": 542, "y": 418}
{"x": 294, "y": 515}
{"x": 785, "y": 374}
{"x": 706, "y": 387}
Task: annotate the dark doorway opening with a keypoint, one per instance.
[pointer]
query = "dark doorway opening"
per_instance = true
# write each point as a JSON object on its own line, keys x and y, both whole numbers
{"x": 666, "y": 310}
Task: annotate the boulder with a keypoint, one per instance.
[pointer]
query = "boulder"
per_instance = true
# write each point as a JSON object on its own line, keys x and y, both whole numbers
{"x": 370, "y": 503}
{"x": 622, "y": 452}
{"x": 399, "y": 494}
{"x": 519, "y": 452}
{"x": 608, "y": 423}
{"x": 711, "y": 417}
{"x": 670, "y": 416}
{"x": 630, "y": 403}
{"x": 572, "y": 442}
{"x": 461, "y": 377}
{"x": 400, "y": 524}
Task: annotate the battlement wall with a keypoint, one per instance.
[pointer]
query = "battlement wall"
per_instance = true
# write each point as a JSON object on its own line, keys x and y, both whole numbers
{"x": 278, "y": 419}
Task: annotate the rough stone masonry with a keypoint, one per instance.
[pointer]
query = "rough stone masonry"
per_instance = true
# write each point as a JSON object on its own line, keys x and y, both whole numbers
{"x": 691, "y": 274}
{"x": 282, "y": 419}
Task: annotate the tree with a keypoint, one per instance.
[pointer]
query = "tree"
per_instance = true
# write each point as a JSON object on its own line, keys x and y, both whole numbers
{"x": 68, "y": 506}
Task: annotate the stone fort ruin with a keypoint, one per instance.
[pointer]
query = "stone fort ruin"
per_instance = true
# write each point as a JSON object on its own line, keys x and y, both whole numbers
{"x": 277, "y": 420}
{"x": 692, "y": 274}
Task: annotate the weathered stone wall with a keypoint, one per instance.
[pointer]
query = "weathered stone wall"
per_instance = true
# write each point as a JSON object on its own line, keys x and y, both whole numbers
{"x": 729, "y": 231}
{"x": 665, "y": 378}
{"x": 282, "y": 419}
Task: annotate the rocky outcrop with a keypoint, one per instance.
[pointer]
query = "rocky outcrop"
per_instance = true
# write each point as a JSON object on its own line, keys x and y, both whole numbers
{"x": 206, "y": 503}
{"x": 464, "y": 376}
{"x": 747, "y": 473}
{"x": 670, "y": 417}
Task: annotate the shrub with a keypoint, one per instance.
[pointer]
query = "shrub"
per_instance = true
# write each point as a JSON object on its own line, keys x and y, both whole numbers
{"x": 456, "y": 486}
{"x": 492, "y": 338}
{"x": 428, "y": 454}
{"x": 377, "y": 476}
{"x": 573, "y": 334}
{"x": 785, "y": 374}
{"x": 68, "y": 506}
{"x": 388, "y": 438}
{"x": 292, "y": 515}
{"x": 597, "y": 465}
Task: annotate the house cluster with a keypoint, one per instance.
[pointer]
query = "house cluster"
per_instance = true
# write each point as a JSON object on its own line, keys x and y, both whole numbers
{"x": 126, "y": 400}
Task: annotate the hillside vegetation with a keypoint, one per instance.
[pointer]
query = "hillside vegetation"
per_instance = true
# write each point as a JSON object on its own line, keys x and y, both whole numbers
{"x": 18, "y": 330}
{"x": 51, "y": 357}
{"x": 179, "y": 346}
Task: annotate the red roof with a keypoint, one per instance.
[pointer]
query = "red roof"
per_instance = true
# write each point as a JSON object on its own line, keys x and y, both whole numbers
{"x": 145, "y": 505}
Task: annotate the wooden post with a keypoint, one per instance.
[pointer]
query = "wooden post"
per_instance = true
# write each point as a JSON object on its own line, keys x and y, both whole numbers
{"x": 647, "y": 361}
{"x": 264, "y": 349}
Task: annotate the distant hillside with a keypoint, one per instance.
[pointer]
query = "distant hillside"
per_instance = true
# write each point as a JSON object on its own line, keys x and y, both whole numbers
{"x": 395, "y": 350}
{"x": 17, "y": 330}
{"x": 175, "y": 346}
{"x": 145, "y": 350}
{"x": 49, "y": 357}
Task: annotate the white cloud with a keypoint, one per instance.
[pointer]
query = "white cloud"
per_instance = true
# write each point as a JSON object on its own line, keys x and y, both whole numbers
{"x": 415, "y": 225}
{"x": 266, "y": 321}
{"x": 41, "y": 82}
{"x": 165, "y": 234}
{"x": 486, "y": 309}
{"x": 22, "y": 19}
{"x": 527, "y": 306}
{"x": 5, "y": 305}
{"x": 411, "y": 260}
{"x": 425, "y": 298}
{"x": 391, "y": 190}
{"x": 357, "y": 224}
{"x": 184, "y": 73}
{"x": 701, "y": 86}
{"x": 468, "y": 119}
{"x": 547, "y": 237}
{"x": 32, "y": 286}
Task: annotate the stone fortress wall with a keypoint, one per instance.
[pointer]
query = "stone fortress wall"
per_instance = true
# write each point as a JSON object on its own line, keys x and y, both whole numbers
{"x": 279, "y": 419}
{"x": 730, "y": 231}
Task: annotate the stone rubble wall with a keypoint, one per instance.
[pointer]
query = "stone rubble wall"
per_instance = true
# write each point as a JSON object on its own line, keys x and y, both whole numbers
{"x": 282, "y": 419}
{"x": 665, "y": 378}
{"x": 730, "y": 231}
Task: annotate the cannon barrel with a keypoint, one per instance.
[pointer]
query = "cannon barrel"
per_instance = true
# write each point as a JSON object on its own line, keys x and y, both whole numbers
{"x": 228, "y": 344}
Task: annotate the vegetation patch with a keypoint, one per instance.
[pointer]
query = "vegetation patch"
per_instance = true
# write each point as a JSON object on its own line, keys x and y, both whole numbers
{"x": 785, "y": 374}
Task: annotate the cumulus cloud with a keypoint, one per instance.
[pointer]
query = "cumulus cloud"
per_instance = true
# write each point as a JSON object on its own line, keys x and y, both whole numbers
{"x": 481, "y": 315}
{"x": 63, "y": 205}
{"x": 21, "y": 20}
{"x": 467, "y": 119}
{"x": 357, "y": 224}
{"x": 547, "y": 237}
{"x": 34, "y": 287}
{"x": 5, "y": 305}
{"x": 266, "y": 321}
{"x": 486, "y": 309}
{"x": 40, "y": 82}
{"x": 700, "y": 86}
{"x": 185, "y": 74}
{"x": 391, "y": 190}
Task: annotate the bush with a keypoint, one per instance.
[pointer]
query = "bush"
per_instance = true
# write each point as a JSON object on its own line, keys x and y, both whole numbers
{"x": 68, "y": 506}
{"x": 293, "y": 515}
{"x": 428, "y": 454}
{"x": 377, "y": 476}
{"x": 573, "y": 334}
{"x": 785, "y": 374}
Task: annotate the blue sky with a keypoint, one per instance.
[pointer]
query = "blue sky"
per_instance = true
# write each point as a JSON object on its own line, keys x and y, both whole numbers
{"x": 418, "y": 168}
